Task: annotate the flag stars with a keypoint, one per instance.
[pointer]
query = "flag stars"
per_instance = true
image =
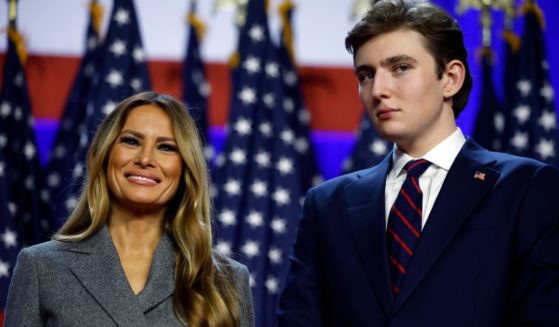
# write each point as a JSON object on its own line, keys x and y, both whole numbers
{"x": 272, "y": 69}
{"x": 520, "y": 140}
{"x": 499, "y": 122}
{"x": 259, "y": 188}
{"x": 255, "y": 219}
{"x": 287, "y": 136}
{"x": 269, "y": 100}
{"x": 547, "y": 92}
{"x": 4, "y": 269}
{"x": 136, "y": 84}
{"x": 70, "y": 203}
{"x": 281, "y": 196}
{"x": 288, "y": 105}
{"x": 227, "y": 217}
{"x": 252, "y": 65}
{"x": 524, "y": 86}
{"x": 278, "y": 225}
{"x": 304, "y": 116}
{"x": 114, "y": 78}
{"x": 5, "y": 109}
{"x": 2, "y": 169}
{"x": 223, "y": 247}
{"x": 118, "y": 48}
{"x": 9, "y": 238}
{"x": 122, "y": 16}
{"x": 108, "y": 107}
{"x": 3, "y": 140}
{"x": 285, "y": 166}
{"x": 232, "y": 187}
{"x": 262, "y": 159}
{"x": 78, "y": 170}
{"x": 548, "y": 120}
{"x": 545, "y": 148}
{"x": 275, "y": 255}
{"x": 522, "y": 113}
{"x": 242, "y": 126}
{"x": 378, "y": 147}
{"x": 272, "y": 285}
{"x": 290, "y": 78}
{"x": 247, "y": 95}
{"x": 29, "y": 150}
{"x": 266, "y": 129}
{"x": 18, "y": 80}
{"x": 250, "y": 249}
{"x": 138, "y": 54}
{"x": 238, "y": 156}
{"x": 256, "y": 33}
{"x": 301, "y": 145}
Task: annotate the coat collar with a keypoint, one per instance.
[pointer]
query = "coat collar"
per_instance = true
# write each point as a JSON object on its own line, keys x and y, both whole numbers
{"x": 459, "y": 195}
{"x": 97, "y": 267}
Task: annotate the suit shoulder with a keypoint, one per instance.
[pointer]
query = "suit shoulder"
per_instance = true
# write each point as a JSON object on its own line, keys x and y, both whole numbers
{"x": 228, "y": 265}
{"x": 44, "y": 249}
{"x": 508, "y": 163}
{"x": 342, "y": 180}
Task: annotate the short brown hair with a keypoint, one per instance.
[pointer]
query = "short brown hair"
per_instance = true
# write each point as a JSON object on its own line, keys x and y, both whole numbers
{"x": 443, "y": 37}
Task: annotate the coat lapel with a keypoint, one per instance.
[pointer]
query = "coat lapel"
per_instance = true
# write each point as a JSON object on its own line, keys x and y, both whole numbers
{"x": 365, "y": 199}
{"x": 160, "y": 284}
{"x": 468, "y": 180}
{"x": 97, "y": 266}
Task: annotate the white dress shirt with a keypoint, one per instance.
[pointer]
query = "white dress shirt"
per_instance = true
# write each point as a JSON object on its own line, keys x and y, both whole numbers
{"x": 441, "y": 157}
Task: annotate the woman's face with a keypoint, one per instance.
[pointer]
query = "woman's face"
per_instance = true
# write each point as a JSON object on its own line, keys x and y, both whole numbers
{"x": 145, "y": 166}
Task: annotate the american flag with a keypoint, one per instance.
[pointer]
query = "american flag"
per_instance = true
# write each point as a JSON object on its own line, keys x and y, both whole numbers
{"x": 24, "y": 218}
{"x": 120, "y": 72}
{"x": 531, "y": 123}
{"x": 369, "y": 148}
{"x": 73, "y": 121}
{"x": 490, "y": 121}
{"x": 196, "y": 88}
{"x": 259, "y": 185}
{"x": 298, "y": 114}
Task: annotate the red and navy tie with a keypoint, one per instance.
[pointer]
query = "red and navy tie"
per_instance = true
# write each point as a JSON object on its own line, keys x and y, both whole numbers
{"x": 404, "y": 223}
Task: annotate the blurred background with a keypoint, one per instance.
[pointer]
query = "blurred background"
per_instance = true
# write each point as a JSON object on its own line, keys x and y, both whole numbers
{"x": 65, "y": 63}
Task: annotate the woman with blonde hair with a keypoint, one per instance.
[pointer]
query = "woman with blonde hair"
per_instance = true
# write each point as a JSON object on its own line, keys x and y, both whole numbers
{"x": 137, "y": 248}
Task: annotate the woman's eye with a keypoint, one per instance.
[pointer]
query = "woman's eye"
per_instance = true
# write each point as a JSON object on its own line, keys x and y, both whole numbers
{"x": 167, "y": 147}
{"x": 129, "y": 140}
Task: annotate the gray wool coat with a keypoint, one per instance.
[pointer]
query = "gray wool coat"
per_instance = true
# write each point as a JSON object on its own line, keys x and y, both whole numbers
{"x": 83, "y": 284}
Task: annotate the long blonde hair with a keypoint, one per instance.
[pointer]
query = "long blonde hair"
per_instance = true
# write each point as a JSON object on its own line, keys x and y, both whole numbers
{"x": 204, "y": 292}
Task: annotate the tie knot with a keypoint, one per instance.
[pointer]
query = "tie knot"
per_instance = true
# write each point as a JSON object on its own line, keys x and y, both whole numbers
{"x": 416, "y": 167}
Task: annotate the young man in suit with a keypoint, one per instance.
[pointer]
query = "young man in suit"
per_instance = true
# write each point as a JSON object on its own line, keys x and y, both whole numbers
{"x": 461, "y": 236}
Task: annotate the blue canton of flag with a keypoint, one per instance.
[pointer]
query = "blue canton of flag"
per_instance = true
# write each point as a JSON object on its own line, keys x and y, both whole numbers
{"x": 122, "y": 72}
{"x": 369, "y": 148}
{"x": 258, "y": 189}
{"x": 531, "y": 126}
{"x": 196, "y": 88}
{"x": 24, "y": 215}
{"x": 73, "y": 121}
{"x": 490, "y": 121}
{"x": 298, "y": 114}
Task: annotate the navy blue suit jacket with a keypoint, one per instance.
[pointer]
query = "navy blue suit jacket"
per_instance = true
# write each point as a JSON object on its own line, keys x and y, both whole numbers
{"x": 488, "y": 254}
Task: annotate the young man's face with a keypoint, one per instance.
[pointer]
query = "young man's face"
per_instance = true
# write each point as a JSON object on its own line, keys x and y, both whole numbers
{"x": 399, "y": 87}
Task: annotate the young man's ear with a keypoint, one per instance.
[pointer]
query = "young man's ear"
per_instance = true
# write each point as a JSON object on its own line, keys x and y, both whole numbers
{"x": 453, "y": 78}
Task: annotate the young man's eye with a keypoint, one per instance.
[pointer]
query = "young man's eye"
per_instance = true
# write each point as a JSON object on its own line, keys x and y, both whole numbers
{"x": 400, "y": 68}
{"x": 366, "y": 76}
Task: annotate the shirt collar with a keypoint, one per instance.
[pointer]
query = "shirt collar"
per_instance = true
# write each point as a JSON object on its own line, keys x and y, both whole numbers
{"x": 442, "y": 155}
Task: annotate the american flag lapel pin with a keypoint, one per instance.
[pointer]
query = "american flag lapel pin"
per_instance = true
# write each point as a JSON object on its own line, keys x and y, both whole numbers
{"x": 479, "y": 175}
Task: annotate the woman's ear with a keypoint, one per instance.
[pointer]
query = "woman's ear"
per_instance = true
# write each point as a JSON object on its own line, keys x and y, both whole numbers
{"x": 453, "y": 78}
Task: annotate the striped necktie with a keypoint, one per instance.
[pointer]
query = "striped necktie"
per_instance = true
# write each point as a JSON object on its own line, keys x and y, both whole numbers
{"x": 404, "y": 223}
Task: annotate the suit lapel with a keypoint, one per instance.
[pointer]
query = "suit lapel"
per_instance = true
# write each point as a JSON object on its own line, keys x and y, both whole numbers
{"x": 160, "y": 284}
{"x": 97, "y": 266}
{"x": 365, "y": 199}
{"x": 468, "y": 180}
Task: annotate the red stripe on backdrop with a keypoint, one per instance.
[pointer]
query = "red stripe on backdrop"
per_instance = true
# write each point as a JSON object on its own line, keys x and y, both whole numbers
{"x": 329, "y": 92}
